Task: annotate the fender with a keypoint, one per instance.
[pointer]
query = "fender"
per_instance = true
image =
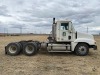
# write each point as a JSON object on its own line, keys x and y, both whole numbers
{"x": 85, "y": 40}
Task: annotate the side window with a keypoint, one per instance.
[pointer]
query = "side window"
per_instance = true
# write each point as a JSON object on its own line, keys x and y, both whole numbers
{"x": 64, "y": 26}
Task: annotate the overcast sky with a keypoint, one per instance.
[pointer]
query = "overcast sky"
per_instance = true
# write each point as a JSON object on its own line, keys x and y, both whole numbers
{"x": 35, "y": 16}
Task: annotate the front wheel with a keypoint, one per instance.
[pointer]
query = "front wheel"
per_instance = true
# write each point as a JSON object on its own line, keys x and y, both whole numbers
{"x": 82, "y": 49}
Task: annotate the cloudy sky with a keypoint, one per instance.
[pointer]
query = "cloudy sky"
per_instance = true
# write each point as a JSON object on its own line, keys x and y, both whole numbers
{"x": 35, "y": 16}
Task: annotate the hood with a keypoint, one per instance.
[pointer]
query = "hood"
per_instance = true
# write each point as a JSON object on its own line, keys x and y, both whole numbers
{"x": 84, "y": 35}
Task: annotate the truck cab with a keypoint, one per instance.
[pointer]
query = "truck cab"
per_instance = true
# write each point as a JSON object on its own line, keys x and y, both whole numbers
{"x": 63, "y": 33}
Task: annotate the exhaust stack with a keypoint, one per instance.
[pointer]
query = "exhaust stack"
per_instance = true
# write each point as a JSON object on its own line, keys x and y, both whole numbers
{"x": 53, "y": 20}
{"x": 53, "y": 29}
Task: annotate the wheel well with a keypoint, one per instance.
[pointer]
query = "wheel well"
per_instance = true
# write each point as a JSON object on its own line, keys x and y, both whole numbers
{"x": 84, "y": 43}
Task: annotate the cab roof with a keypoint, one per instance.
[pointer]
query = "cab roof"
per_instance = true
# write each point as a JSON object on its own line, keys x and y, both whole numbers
{"x": 64, "y": 21}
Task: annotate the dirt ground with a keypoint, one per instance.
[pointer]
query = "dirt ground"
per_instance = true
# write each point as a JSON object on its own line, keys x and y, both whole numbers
{"x": 48, "y": 63}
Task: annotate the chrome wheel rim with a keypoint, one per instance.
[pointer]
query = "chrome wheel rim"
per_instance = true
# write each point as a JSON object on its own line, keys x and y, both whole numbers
{"x": 29, "y": 49}
{"x": 82, "y": 49}
{"x": 12, "y": 49}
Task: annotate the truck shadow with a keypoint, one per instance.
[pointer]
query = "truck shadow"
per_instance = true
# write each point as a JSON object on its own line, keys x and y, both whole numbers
{"x": 56, "y": 53}
{"x": 45, "y": 52}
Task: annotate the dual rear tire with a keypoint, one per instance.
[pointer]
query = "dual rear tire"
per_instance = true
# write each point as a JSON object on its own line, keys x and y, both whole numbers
{"x": 13, "y": 49}
{"x": 29, "y": 48}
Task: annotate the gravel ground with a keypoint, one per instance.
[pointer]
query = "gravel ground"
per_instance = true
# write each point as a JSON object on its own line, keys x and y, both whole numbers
{"x": 45, "y": 63}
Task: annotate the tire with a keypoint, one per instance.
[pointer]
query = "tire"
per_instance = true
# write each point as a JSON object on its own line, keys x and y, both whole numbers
{"x": 22, "y": 43}
{"x": 12, "y": 49}
{"x": 30, "y": 49}
{"x": 38, "y": 44}
{"x": 82, "y": 49}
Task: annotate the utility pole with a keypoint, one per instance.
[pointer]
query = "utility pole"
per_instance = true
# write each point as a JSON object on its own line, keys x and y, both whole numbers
{"x": 87, "y": 29}
{"x": 4, "y": 31}
{"x": 7, "y": 32}
{"x": 20, "y": 30}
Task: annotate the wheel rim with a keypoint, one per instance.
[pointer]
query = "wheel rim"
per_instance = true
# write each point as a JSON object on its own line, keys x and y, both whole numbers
{"x": 82, "y": 49}
{"x": 29, "y": 49}
{"x": 12, "y": 49}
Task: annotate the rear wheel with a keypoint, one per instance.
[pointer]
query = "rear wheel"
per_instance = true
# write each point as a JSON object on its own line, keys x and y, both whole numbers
{"x": 12, "y": 49}
{"x": 38, "y": 44}
{"x": 82, "y": 49}
{"x": 30, "y": 49}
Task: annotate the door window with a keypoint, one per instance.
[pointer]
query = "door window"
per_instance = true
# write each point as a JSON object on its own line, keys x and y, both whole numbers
{"x": 64, "y": 26}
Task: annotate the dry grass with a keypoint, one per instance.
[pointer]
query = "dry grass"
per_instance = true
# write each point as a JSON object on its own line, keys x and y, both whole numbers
{"x": 48, "y": 63}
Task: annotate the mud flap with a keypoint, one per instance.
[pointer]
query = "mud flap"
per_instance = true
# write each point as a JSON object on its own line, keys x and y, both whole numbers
{"x": 95, "y": 47}
{"x": 5, "y": 50}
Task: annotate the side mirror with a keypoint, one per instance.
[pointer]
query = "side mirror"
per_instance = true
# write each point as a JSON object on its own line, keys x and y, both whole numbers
{"x": 70, "y": 30}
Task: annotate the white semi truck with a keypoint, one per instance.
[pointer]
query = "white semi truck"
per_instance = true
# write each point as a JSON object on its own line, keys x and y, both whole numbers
{"x": 63, "y": 38}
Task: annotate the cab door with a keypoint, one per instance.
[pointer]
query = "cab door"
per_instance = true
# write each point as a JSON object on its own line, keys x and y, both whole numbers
{"x": 65, "y": 34}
